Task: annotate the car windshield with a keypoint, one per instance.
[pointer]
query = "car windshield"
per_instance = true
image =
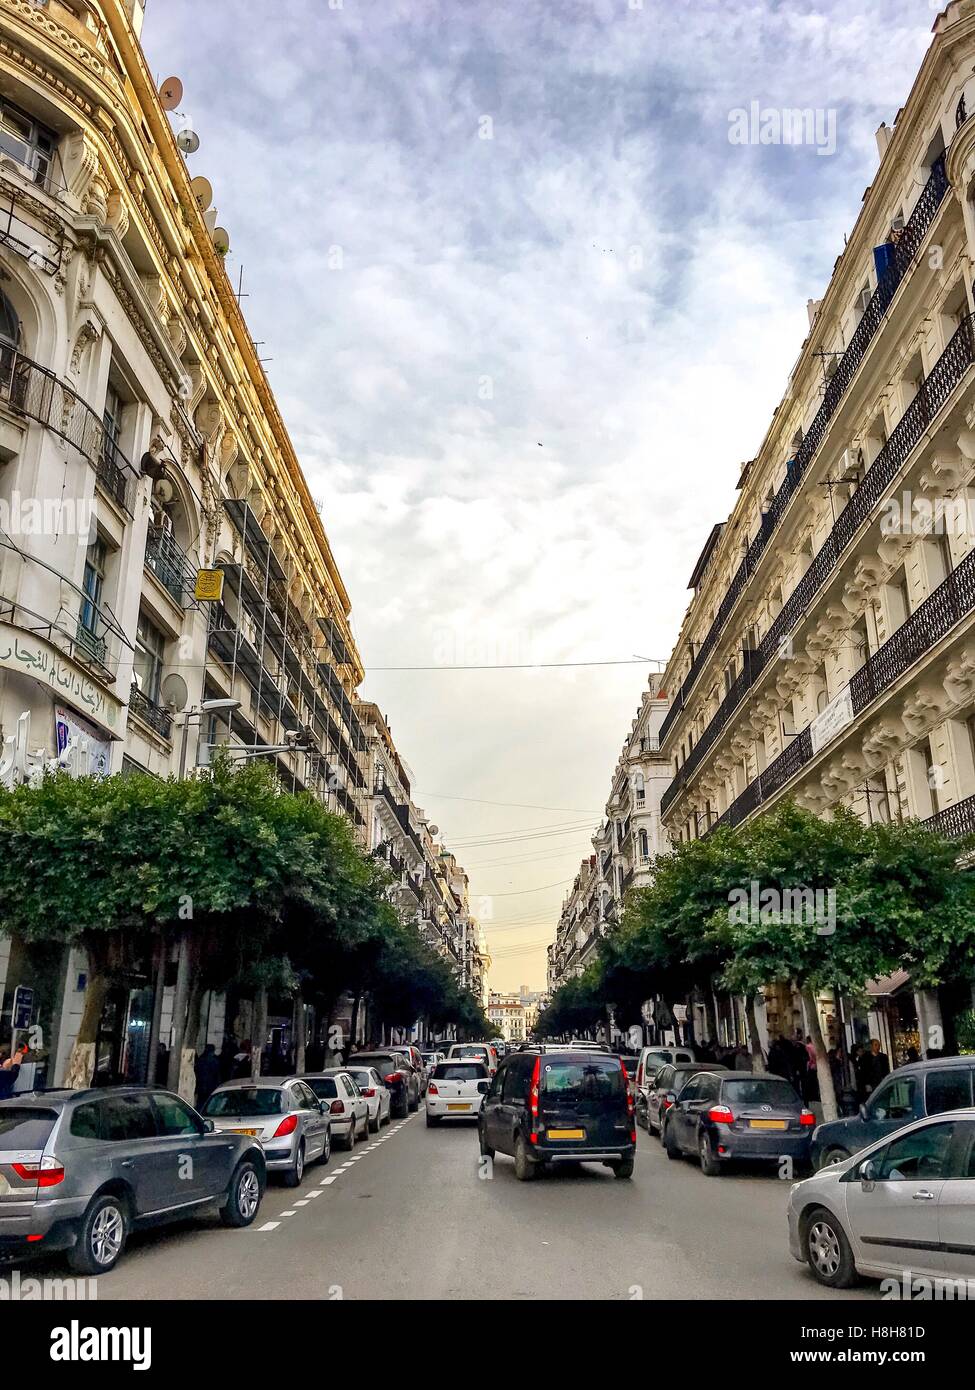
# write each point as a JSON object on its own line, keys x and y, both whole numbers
{"x": 323, "y": 1086}
{"x": 244, "y": 1100}
{"x": 583, "y": 1078}
{"x": 23, "y": 1127}
{"x": 747, "y": 1092}
{"x": 460, "y": 1071}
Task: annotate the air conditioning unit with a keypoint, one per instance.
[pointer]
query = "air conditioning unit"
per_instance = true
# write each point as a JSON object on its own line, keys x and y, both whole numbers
{"x": 863, "y": 300}
{"x": 850, "y": 465}
{"x": 897, "y": 224}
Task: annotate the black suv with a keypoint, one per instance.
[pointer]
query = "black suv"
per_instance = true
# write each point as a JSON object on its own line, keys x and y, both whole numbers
{"x": 569, "y": 1106}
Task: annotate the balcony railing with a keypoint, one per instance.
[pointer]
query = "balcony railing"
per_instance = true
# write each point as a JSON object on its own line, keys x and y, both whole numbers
{"x": 150, "y": 713}
{"x": 168, "y": 562}
{"x": 932, "y": 620}
{"x": 954, "y": 821}
{"x": 903, "y": 253}
{"x": 932, "y": 395}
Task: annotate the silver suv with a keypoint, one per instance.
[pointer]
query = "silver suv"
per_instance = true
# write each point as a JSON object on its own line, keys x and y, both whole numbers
{"x": 79, "y": 1170}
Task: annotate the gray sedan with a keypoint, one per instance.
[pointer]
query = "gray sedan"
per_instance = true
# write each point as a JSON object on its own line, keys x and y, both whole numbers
{"x": 79, "y": 1170}
{"x": 283, "y": 1113}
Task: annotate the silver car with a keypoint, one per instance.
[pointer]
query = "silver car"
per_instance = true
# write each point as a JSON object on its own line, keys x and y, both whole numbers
{"x": 282, "y": 1112}
{"x": 80, "y": 1170}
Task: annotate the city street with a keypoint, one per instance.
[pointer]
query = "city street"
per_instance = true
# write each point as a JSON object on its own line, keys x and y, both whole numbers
{"x": 406, "y": 1216}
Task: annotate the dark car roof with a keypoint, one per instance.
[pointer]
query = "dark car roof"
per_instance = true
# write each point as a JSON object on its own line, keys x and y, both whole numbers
{"x": 932, "y": 1064}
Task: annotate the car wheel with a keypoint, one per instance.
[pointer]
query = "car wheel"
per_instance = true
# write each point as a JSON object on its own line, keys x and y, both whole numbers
{"x": 624, "y": 1169}
{"x": 293, "y": 1176}
{"x": 828, "y": 1252}
{"x": 402, "y": 1109}
{"x": 670, "y": 1147}
{"x": 710, "y": 1166}
{"x": 485, "y": 1147}
{"x": 244, "y": 1197}
{"x": 525, "y": 1169}
{"x": 833, "y": 1156}
{"x": 374, "y": 1128}
{"x": 432, "y": 1120}
{"x": 102, "y": 1236}
{"x": 327, "y": 1150}
{"x": 415, "y": 1103}
{"x": 350, "y": 1140}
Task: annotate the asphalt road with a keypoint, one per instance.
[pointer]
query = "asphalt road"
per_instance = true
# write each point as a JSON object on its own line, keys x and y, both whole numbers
{"x": 408, "y": 1216}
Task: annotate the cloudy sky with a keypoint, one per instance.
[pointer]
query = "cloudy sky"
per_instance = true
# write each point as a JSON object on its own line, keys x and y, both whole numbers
{"x": 527, "y": 309}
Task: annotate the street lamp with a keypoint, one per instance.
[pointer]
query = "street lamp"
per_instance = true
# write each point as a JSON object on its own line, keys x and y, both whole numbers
{"x": 226, "y": 706}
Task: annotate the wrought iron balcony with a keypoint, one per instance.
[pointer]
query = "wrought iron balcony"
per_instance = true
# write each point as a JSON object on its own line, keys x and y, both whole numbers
{"x": 954, "y": 821}
{"x": 168, "y": 562}
{"x": 934, "y": 392}
{"x": 903, "y": 253}
{"x": 150, "y": 713}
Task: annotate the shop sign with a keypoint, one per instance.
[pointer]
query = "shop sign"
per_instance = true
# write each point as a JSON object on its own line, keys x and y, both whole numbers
{"x": 23, "y": 1009}
{"x": 831, "y": 720}
{"x": 34, "y": 656}
{"x": 209, "y": 586}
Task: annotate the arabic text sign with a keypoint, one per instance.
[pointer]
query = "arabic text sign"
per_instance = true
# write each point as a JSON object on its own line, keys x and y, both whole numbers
{"x": 828, "y": 723}
{"x": 209, "y": 586}
{"x": 35, "y": 656}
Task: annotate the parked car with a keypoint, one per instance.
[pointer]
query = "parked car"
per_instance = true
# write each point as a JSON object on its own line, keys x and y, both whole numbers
{"x": 80, "y": 1170}
{"x": 663, "y": 1089}
{"x": 348, "y": 1109}
{"x": 909, "y": 1093}
{"x": 630, "y": 1062}
{"x": 283, "y": 1113}
{"x": 651, "y": 1060}
{"x": 456, "y": 1090}
{"x": 371, "y": 1085}
{"x": 905, "y": 1203}
{"x": 415, "y": 1058}
{"x": 571, "y": 1106}
{"x": 725, "y": 1115}
{"x": 430, "y": 1060}
{"x": 398, "y": 1077}
{"x": 474, "y": 1052}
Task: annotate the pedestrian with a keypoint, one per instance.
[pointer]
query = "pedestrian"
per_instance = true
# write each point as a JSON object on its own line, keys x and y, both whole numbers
{"x": 10, "y": 1070}
{"x": 876, "y": 1065}
{"x": 227, "y": 1050}
{"x": 779, "y": 1058}
{"x": 207, "y": 1074}
{"x": 242, "y": 1061}
{"x": 162, "y": 1065}
{"x": 811, "y": 1075}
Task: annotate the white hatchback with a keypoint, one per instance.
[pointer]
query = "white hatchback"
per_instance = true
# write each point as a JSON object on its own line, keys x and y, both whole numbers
{"x": 456, "y": 1091}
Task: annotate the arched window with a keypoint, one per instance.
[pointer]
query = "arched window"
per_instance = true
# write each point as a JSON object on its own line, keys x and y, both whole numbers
{"x": 9, "y": 323}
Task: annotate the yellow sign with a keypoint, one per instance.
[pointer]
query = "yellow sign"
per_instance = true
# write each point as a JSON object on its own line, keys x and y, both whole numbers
{"x": 209, "y": 586}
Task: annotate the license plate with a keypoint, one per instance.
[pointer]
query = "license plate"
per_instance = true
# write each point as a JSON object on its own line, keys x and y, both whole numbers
{"x": 456, "y": 1105}
{"x": 769, "y": 1124}
{"x": 244, "y": 1131}
{"x": 566, "y": 1134}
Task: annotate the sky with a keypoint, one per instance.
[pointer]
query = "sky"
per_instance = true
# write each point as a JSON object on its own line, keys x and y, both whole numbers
{"x": 528, "y": 302}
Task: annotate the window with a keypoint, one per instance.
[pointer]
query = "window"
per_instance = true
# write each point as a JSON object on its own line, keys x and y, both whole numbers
{"x": 324, "y": 1087}
{"x": 595, "y": 1079}
{"x": 950, "y": 1089}
{"x": 27, "y": 142}
{"x": 124, "y": 1118}
{"x": 174, "y": 1117}
{"x": 150, "y": 645}
{"x": 244, "y": 1101}
{"x": 92, "y": 583}
{"x": 894, "y": 1101}
{"x": 9, "y": 323}
{"x": 517, "y": 1079}
{"x": 23, "y": 1127}
{"x": 917, "y": 1156}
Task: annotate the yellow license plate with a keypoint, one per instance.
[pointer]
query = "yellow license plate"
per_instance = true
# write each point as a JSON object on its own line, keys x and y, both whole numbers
{"x": 456, "y": 1106}
{"x": 768, "y": 1124}
{"x": 243, "y": 1131}
{"x": 567, "y": 1134}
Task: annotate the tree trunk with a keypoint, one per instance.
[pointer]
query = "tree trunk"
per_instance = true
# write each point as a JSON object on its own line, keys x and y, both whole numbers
{"x": 827, "y": 1093}
{"x": 354, "y": 1021}
{"x": 184, "y": 971}
{"x": 299, "y": 1029}
{"x": 754, "y": 1036}
{"x": 711, "y": 1013}
{"x": 258, "y": 1031}
{"x": 81, "y": 1063}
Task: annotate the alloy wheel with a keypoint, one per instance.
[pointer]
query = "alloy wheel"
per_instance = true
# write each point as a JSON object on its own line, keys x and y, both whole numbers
{"x": 107, "y": 1231}
{"x": 248, "y": 1194}
{"x": 824, "y": 1248}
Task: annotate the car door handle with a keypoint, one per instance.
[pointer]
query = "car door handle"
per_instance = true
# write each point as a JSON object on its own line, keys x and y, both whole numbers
{"x": 127, "y": 1163}
{"x": 923, "y": 1196}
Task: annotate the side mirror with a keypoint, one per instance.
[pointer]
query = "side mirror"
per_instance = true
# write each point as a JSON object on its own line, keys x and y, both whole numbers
{"x": 862, "y": 1112}
{"x": 321, "y": 1108}
{"x": 868, "y": 1172}
{"x": 483, "y": 1087}
{"x": 209, "y": 1127}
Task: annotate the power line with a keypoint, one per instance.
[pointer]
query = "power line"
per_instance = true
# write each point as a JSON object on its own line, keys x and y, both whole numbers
{"x": 517, "y": 892}
{"x": 522, "y": 805}
{"x": 517, "y": 666}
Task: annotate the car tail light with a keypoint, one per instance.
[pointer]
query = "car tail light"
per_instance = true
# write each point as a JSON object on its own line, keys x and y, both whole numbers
{"x": 370, "y": 1091}
{"x": 47, "y": 1173}
{"x": 807, "y": 1118}
{"x": 629, "y": 1091}
{"x": 337, "y": 1107}
{"x": 432, "y": 1089}
{"x": 536, "y": 1080}
{"x": 287, "y": 1126}
{"x": 393, "y": 1079}
{"x": 721, "y": 1115}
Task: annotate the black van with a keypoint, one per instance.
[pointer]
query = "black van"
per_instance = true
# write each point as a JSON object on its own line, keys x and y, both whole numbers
{"x": 570, "y": 1106}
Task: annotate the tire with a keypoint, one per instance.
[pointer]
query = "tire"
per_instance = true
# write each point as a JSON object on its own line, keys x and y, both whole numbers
{"x": 350, "y": 1141}
{"x": 414, "y": 1103}
{"x": 623, "y": 1169}
{"x": 327, "y": 1151}
{"x": 432, "y": 1120}
{"x": 670, "y": 1148}
{"x": 293, "y": 1176}
{"x": 244, "y": 1197}
{"x": 710, "y": 1166}
{"x": 483, "y": 1145}
{"x": 374, "y": 1128}
{"x": 401, "y": 1109}
{"x": 101, "y": 1237}
{"x": 834, "y": 1156}
{"x": 827, "y": 1251}
{"x": 525, "y": 1169}
{"x": 650, "y": 1128}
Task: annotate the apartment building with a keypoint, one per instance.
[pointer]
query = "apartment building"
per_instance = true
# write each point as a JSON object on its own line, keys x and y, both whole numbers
{"x": 827, "y": 651}
{"x": 506, "y": 1013}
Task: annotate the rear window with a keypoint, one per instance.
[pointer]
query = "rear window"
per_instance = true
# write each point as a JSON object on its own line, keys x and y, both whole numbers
{"x": 583, "y": 1078}
{"x": 460, "y": 1071}
{"x": 244, "y": 1100}
{"x": 23, "y": 1127}
{"x": 382, "y": 1061}
{"x": 468, "y": 1051}
{"x": 747, "y": 1092}
{"x": 323, "y": 1086}
{"x": 361, "y": 1078}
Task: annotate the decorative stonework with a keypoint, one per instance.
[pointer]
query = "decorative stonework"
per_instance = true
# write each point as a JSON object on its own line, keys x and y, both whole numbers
{"x": 88, "y": 333}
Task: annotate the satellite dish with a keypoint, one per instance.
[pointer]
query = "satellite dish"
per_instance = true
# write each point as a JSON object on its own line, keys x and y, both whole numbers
{"x": 174, "y": 692}
{"x": 163, "y": 491}
{"x": 434, "y": 829}
{"x": 221, "y": 240}
{"x": 187, "y": 140}
{"x": 170, "y": 94}
{"x": 202, "y": 191}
